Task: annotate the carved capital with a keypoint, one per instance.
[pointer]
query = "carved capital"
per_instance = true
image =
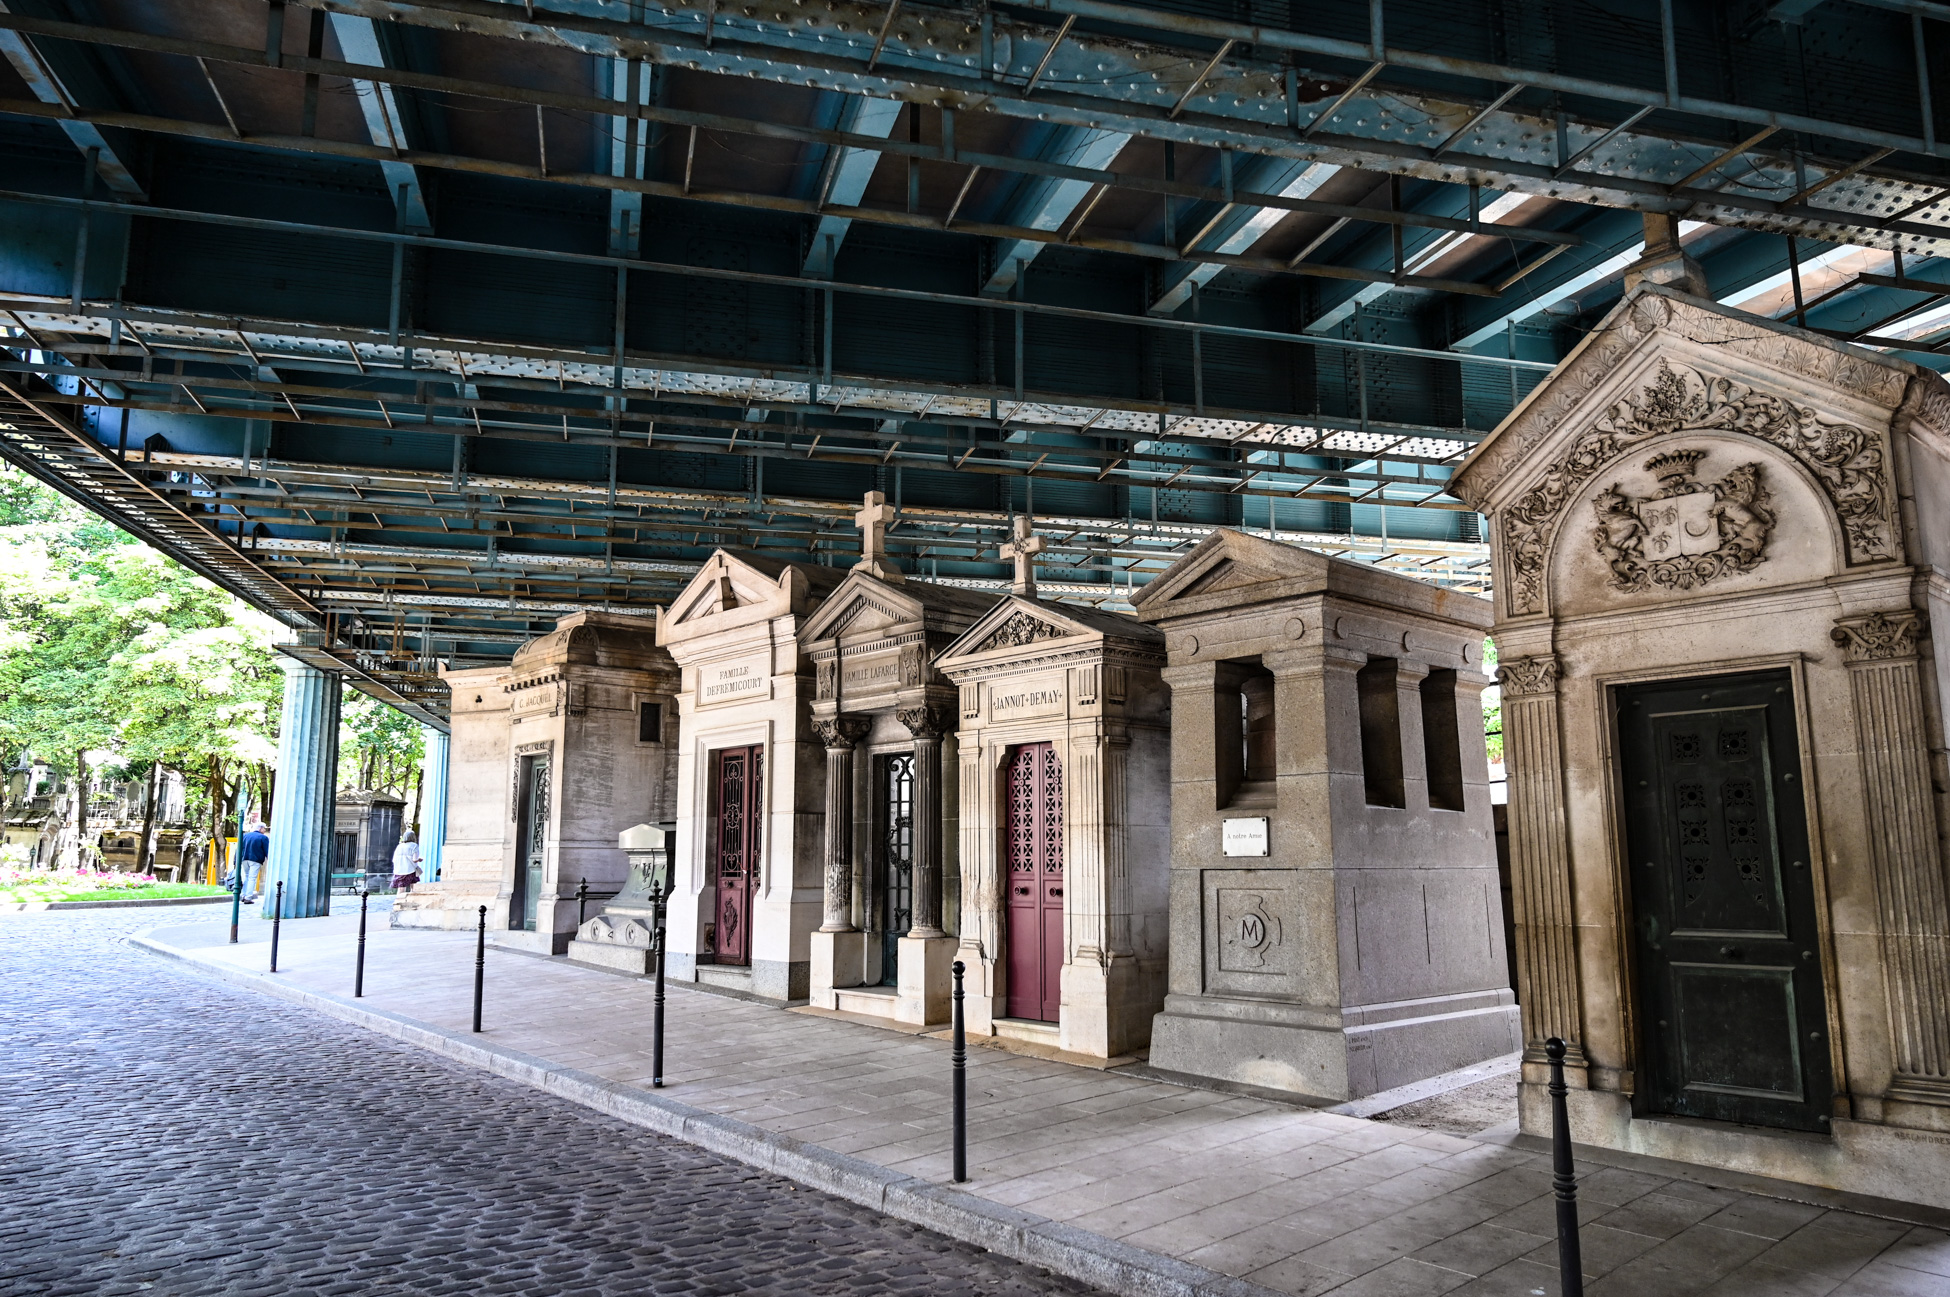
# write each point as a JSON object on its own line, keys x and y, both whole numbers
{"x": 842, "y": 732}
{"x": 1538, "y": 675}
{"x": 925, "y": 722}
{"x": 1878, "y": 637}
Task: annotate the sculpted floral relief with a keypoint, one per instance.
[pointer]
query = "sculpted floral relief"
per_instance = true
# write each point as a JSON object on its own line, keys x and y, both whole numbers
{"x": 1018, "y": 630}
{"x": 1849, "y": 461}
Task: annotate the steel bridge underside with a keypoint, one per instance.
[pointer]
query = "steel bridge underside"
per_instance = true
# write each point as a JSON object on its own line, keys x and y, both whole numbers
{"x": 420, "y": 323}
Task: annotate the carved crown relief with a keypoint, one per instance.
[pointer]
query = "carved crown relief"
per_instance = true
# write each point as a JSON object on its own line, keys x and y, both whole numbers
{"x": 1849, "y": 461}
{"x": 1685, "y": 533}
{"x": 1018, "y": 630}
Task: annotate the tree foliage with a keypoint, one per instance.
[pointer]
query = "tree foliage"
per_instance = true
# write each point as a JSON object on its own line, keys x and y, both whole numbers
{"x": 106, "y": 644}
{"x": 379, "y": 747}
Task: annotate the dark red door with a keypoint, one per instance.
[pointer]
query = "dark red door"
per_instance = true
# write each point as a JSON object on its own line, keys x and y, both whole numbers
{"x": 737, "y": 823}
{"x": 1033, "y": 811}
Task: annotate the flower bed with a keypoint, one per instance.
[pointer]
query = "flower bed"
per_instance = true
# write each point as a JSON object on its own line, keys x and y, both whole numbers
{"x": 21, "y": 886}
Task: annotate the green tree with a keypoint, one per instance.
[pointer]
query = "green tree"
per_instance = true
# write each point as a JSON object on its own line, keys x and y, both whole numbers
{"x": 380, "y": 748}
{"x": 1492, "y": 705}
{"x": 106, "y": 644}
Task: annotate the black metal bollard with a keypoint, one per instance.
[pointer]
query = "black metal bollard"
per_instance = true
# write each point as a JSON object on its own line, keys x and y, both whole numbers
{"x": 582, "y": 902}
{"x": 1570, "y": 1262}
{"x": 657, "y": 1010}
{"x": 236, "y": 899}
{"x": 277, "y": 917}
{"x": 359, "y": 973}
{"x": 958, "y": 1054}
{"x": 480, "y": 966}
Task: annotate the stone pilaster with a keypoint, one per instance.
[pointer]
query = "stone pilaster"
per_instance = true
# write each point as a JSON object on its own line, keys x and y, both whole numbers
{"x": 1898, "y": 804}
{"x": 1540, "y": 860}
{"x": 303, "y": 803}
{"x": 433, "y": 803}
{"x": 839, "y": 734}
{"x": 1096, "y": 887}
{"x": 927, "y": 724}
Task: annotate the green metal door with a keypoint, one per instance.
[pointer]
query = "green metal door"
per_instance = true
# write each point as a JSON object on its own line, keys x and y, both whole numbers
{"x": 1732, "y": 1014}
{"x": 895, "y": 913}
{"x": 531, "y": 843}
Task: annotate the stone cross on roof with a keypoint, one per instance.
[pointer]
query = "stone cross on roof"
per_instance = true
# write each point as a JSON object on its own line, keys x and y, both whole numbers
{"x": 872, "y": 519}
{"x": 1024, "y": 549}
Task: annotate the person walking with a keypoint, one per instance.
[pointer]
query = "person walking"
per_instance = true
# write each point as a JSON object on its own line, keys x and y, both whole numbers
{"x": 253, "y": 849}
{"x": 406, "y": 862}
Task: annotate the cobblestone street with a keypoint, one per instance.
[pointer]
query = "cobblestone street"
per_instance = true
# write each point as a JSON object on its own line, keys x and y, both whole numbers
{"x": 163, "y": 1133}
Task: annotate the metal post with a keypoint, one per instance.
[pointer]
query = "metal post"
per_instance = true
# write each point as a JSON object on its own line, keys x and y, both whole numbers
{"x": 236, "y": 889}
{"x": 359, "y": 973}
{"x": 480, "y": 966}
{"x": 582, "y": 900}
{"x": 277, "y": 917}
{"x": 958, "y": 1053}
{"x": 657, "y": 900}
{"x": 1570, "y": 1264}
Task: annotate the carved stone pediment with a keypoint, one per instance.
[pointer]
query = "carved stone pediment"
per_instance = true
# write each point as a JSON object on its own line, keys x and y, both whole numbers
{"x": 1018, "y": 629}
{"x": 1849, "y": 461}
{"x": 863, "y": 604}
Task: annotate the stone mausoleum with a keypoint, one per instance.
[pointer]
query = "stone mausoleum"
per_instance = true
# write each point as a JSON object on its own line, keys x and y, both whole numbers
{"x": 550, "y": 758}
{"x": 1336, "y": 924}
{"x": 1722, "y": 546}
{"x": 751, "y": 777}
{"x": 886, "y": 718}
{"x": 1065, "y": 826}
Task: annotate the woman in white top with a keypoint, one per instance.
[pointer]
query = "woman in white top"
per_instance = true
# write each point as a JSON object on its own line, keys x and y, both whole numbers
{"x": 406, "y": 862}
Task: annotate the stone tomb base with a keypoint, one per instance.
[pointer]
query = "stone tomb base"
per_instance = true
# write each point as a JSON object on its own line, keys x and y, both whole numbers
{"x": 925, "y": 978}
{"x": 618, "y": 940}
{"x": 447, "y": 907}
{"x": 1336, "y": 1053}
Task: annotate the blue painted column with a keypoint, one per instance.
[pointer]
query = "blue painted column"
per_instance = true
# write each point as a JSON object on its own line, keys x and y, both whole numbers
{"x": 302, "y": 806}
{"x": 433, "y": 803}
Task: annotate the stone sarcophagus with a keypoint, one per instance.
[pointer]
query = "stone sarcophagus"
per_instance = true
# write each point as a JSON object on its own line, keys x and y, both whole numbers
{"x": 1336, "y": 918}
{"x": 1719, "y": 542}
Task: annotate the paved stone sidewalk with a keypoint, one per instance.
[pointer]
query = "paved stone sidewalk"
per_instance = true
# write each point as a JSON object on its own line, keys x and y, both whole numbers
{"x": 166, "y": 1134}
{"x": 1299, "y": 1201}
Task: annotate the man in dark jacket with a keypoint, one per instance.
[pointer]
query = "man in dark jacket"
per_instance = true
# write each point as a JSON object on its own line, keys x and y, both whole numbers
{"x": 253, "y": 849}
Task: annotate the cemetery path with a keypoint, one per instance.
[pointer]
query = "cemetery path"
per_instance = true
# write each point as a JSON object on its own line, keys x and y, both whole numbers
{"x": 1069, "y": 1163}
{"x": 169, "y": 1134}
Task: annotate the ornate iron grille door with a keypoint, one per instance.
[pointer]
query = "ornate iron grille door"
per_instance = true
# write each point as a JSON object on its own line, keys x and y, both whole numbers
{"x": 737, "y": 824}
{"x": 533, "y": 843}
{"x": 895, "y": 912}
{"x": 1033, "y": 818}
{"x": 1732, "y": 1015}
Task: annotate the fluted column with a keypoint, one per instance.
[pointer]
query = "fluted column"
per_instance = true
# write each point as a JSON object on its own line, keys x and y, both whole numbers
{"x": 1540, "y": 859}
{"x": 839, "y": 735}
{"x": 1898, "y": 804}
{"x": 433, "y": 802}
{"x": 302, "y": 805}
{"x": 926, "y": 724}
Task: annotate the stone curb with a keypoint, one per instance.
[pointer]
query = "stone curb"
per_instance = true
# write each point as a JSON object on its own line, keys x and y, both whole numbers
{"x": 1021, "y": 1236}
{"x": 36, "y": 907}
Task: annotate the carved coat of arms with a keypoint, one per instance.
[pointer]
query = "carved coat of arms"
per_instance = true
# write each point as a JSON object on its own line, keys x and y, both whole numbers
{"x": 1687, "y": 532}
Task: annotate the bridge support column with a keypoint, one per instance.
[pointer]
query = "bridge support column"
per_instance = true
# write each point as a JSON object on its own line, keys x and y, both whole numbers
{"x": 433, "y": 804}
{"x": 302, "y": 806}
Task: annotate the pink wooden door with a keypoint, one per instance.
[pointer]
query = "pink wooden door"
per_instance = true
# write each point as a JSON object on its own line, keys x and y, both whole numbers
{"x": 1033, "y": 816}
{"x": 737, "y": 820}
